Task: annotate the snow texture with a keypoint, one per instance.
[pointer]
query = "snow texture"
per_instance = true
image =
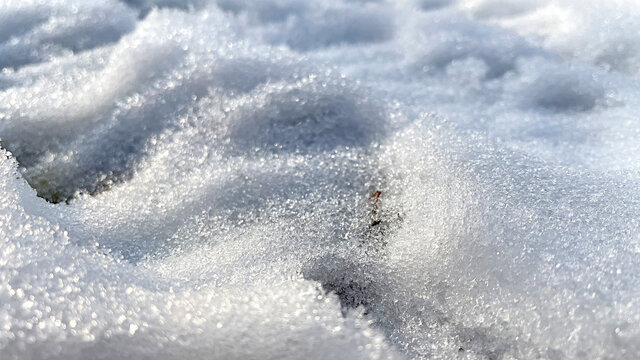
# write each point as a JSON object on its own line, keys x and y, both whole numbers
{"x": 287, "y": 179}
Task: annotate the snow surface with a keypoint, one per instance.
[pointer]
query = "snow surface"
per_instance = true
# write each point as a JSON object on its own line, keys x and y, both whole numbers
{"x": 209, "y": 169}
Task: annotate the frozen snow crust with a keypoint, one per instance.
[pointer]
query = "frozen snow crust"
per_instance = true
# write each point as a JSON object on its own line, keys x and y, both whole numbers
{"x": 209, "y": 168}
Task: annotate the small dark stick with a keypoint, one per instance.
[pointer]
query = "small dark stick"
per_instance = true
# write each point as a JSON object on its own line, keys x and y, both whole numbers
{"x": 376, "y": 196}
{"x": 374, "y": 210}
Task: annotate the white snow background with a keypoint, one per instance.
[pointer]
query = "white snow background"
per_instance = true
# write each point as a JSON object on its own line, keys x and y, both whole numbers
{"x": 194, "y": 179}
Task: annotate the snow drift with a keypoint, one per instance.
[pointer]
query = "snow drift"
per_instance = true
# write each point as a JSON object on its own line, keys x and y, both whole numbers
{"x": 341, "y": 179}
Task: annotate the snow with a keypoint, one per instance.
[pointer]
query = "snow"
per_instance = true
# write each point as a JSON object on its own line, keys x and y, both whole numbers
{"x": 198, "y": 179}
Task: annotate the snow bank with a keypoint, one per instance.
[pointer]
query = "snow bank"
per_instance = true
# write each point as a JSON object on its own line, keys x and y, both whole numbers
{"x": 341, "y": 179}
